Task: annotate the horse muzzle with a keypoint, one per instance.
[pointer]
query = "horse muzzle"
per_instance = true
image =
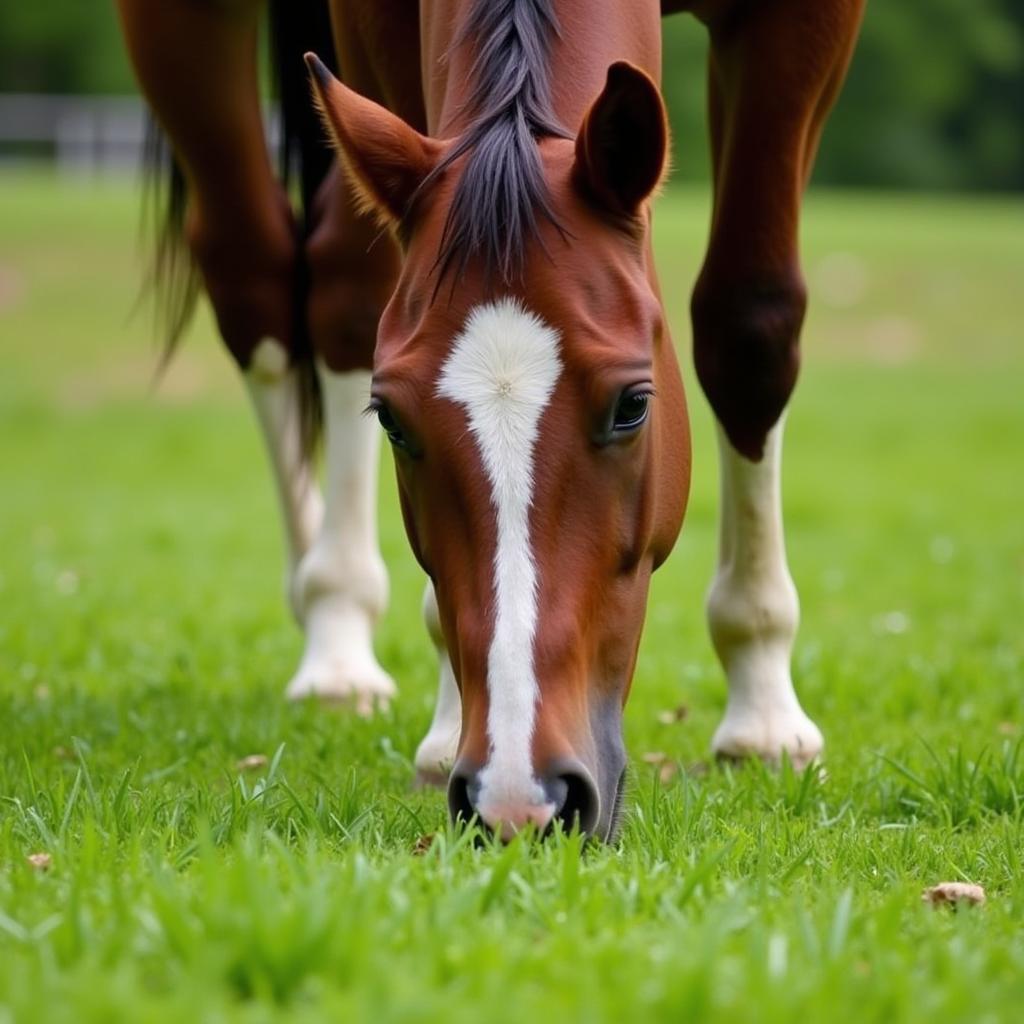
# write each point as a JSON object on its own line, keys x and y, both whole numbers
{"x": 564, "y": 793}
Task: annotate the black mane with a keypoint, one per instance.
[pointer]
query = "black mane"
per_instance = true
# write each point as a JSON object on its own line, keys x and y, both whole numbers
{"x": 501, "y": 191}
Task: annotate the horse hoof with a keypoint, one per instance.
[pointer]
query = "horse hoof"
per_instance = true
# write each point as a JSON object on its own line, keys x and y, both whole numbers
{"x": 366, "y": 688}
{"x": 740, "y": 739}
{"x": 435, "y": 756}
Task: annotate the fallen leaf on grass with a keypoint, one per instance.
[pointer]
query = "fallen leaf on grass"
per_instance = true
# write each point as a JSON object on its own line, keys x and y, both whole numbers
{"x": 673, "y": 715}
{"x": 40, "y": 861}
{"x": 422, "y": 845}
{"x": 668, "y": 771}
{"x": 952, "y": 894}
{"x": 654, "y": 757}
{"x": 252, "y": 763}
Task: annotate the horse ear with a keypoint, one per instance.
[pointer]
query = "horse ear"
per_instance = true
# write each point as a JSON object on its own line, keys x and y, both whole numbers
{"x": 387, "y": 158}
{"x": 622, "y": 144}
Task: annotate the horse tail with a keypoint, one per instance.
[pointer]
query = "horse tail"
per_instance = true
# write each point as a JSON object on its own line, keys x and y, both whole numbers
{"x": 304, "y": 160}
{"x": 172, "y": 277}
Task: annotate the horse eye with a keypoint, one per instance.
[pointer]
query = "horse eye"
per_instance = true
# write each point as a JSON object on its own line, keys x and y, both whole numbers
{"x": 389, "y": 425}
{"x": 631, "y": 411}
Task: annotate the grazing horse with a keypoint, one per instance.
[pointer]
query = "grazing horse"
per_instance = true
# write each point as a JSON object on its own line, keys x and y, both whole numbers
{"x": 476, "y": 269}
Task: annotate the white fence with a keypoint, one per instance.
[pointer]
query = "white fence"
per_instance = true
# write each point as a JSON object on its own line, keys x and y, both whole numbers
{"x": 82, "y": 135}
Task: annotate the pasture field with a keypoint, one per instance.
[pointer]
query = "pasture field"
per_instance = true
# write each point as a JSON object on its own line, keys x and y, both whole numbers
{"x": 144, "y": 647}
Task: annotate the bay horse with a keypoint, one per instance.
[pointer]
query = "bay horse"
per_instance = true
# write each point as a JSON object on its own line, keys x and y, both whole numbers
{"x": 475, "y": 269}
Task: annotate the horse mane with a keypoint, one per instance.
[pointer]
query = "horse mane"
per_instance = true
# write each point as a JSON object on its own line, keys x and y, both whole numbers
{"x": 501, "y": 193}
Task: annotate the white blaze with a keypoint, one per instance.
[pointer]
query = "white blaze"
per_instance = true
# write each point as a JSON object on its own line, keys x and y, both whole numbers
{"x": 502, "y": 369}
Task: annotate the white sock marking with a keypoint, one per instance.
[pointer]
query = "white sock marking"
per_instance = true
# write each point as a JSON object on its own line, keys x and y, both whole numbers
{"x": 436, "y": 753}
{"x": 502, "y": 369}
{"x": 341, "y": 584}
{"x": 753, "y": 612}
{"x": 274, "y": 391}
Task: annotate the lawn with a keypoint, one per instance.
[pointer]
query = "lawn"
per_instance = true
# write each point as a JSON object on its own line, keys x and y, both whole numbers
{"x": 144, "y": 646}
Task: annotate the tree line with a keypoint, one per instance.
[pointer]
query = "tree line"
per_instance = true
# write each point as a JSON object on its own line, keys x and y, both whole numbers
{"x": 934, "y": 99}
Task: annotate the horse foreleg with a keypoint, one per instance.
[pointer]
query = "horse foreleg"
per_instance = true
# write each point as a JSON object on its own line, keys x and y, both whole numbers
{"x": 341, "y": 584}
{"x": 273, "y": 387}
{"x": 753, "y": 612}
{"x": 438, "y": 749}
{"x": 774, "y": 71}
{"x": 197, "y": 64}
{"x": 341, "y": 587}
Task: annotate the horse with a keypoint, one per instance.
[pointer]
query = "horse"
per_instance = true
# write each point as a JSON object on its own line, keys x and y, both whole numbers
{"x": 470, "y": 263}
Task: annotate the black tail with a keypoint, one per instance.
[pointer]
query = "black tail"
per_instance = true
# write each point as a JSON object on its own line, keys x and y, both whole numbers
{"x": 172, "y": 276}
{"x": 304, "y": 158}
{"x": 305, "y": 155}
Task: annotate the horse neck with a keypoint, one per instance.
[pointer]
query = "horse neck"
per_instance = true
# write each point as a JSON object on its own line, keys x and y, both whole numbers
{"x": 594, "y": 34}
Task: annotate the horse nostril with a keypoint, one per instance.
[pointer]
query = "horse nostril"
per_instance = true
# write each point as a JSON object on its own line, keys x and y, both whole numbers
{"x": 460, "y": 804}
{"x": 577, "y": 799}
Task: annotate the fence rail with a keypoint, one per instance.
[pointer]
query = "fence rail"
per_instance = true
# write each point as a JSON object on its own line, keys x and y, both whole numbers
{"x": 82, "y": 135}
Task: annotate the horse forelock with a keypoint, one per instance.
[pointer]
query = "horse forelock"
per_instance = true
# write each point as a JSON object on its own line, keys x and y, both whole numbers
{"x": 501, "y": 194}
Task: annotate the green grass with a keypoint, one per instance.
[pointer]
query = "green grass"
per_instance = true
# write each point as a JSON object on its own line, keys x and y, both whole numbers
{"x": 144, "y": 646}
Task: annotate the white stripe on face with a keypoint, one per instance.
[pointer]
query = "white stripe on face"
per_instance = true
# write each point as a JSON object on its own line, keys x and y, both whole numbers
{"x": 502, "y": 370}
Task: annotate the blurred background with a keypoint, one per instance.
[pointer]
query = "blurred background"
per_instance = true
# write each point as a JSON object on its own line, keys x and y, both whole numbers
{"x": 935, "y": 98}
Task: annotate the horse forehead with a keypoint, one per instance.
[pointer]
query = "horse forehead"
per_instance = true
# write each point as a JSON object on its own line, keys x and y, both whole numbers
{"x": 502, "y": 367}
